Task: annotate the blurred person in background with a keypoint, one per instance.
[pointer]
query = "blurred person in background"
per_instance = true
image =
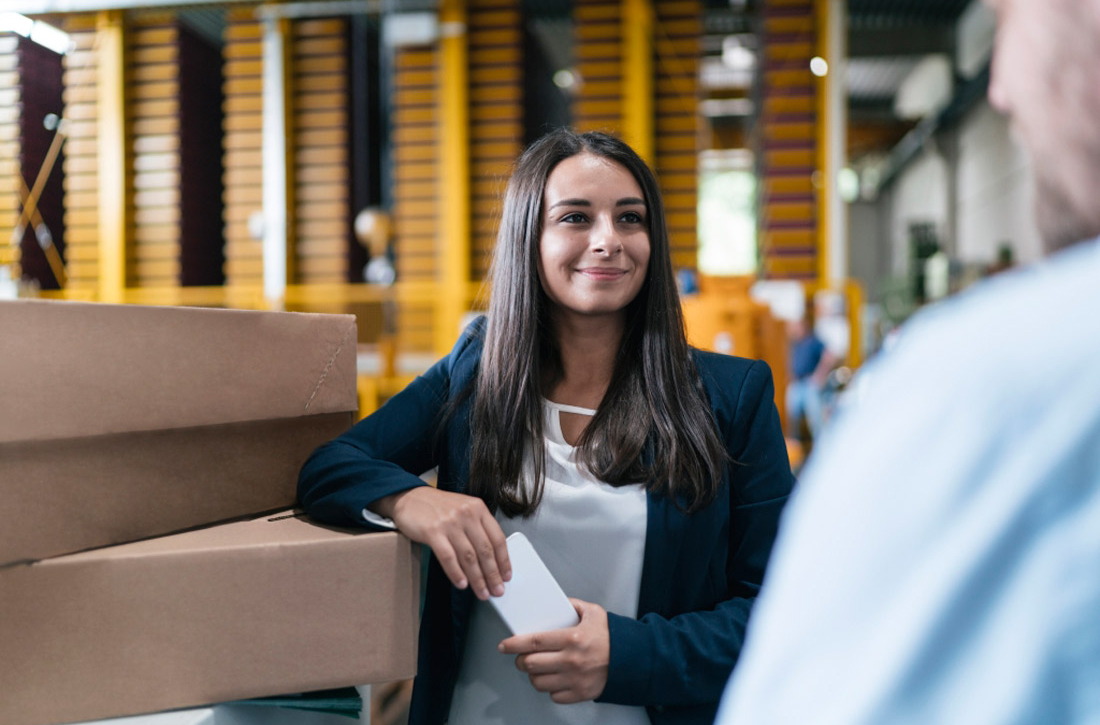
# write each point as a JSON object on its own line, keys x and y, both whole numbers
{"x": 810, "y": 362}
{"x": 648, "y": 476}
{"x": 940, "y": 559}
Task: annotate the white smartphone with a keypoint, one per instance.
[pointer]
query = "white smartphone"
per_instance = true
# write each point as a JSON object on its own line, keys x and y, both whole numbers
{"x": 532, "y": 601}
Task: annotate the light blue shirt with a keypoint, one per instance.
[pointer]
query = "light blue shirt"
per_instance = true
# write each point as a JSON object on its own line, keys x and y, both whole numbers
{"x": 939, "y": 561}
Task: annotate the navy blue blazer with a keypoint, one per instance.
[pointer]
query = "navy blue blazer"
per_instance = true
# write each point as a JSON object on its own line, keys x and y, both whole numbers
{"x": 700, "y": 574}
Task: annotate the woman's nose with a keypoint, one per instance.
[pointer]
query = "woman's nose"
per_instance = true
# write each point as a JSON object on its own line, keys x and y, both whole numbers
{"x": 605, "y": 238}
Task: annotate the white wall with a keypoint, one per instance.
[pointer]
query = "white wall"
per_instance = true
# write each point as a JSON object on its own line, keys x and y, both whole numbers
{"x": 995, "y": 196}
{"x": 868, "y": 255}
{"x": 919, "y": 195}
{"x": 992, "y": 201}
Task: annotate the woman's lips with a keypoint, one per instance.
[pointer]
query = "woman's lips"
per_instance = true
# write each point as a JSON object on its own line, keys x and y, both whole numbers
{"x": 603, "y": 274}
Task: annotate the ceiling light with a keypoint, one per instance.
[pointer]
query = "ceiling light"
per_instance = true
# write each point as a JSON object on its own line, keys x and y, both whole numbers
{"x": 736, "y": 55}
{"x": 818, "y": 66}
{"x": 42, "y": 33}
{"x": 16, "y": 23}
{"x": 847, "y": 184}
{"x": 53, "y": 38}
{"x": 565, "y": 79}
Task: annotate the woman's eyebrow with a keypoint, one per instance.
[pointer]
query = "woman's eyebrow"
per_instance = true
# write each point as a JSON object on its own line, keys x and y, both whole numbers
{"x": 571, "y": 202}
{"x": 628, "y": 201}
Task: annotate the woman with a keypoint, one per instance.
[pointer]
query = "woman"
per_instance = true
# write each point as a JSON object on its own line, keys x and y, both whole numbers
{"x": 649, "y": 476}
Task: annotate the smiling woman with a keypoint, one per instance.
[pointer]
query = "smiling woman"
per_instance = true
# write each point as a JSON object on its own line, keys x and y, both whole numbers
{"x": 585, "y": 313}
{"x": 648, "y": 476}
{"x": 594, "y": 251}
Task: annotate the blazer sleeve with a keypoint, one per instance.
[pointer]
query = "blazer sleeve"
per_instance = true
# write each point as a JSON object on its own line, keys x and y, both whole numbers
{"x": 384, "y": 453}
{"x": 686, "y": 659}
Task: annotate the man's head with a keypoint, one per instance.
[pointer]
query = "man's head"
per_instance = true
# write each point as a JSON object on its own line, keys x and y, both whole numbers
{"x": 1045, "y": 77}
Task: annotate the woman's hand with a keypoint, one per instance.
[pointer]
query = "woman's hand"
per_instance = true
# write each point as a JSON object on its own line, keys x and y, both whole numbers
{"x": 570, "y": 664}
{"x": 463, "y": 535}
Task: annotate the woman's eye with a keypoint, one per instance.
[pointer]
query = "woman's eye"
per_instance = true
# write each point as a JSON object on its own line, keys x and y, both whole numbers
{"x": 632, "y": 217}
{"x": 573, "y": 218}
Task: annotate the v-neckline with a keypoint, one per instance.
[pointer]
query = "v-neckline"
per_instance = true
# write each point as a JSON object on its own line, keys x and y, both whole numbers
{"x": 557, "y": 435}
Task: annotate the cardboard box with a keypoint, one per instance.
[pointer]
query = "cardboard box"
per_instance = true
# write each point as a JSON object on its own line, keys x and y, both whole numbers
{"x": 123, "y": 422}
{"x": 243, "y": 609}
{"x": 232, "y": 714}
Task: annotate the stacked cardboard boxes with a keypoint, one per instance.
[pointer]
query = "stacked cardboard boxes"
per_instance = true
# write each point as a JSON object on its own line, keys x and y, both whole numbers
{"x": 125, "y": 426}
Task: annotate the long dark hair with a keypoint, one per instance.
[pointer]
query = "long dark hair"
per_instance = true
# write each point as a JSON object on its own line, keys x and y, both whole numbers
{"x": 653, "y": 425}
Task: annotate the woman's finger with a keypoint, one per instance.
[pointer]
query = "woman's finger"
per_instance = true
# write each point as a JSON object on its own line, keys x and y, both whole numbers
{"x": 480, "y": 539}
{"x": 463, "y": 535}
{"x": 541, "y": 663}
{"x": 567, "y": 696}
{"x": 445, "y": 554}
{"x": 571, "y": 664}
{"x": 550, "y": 683}
{"x": 468, "y": 560}
{"x": 499, "y": 543}
{"x": 549, "y": 641}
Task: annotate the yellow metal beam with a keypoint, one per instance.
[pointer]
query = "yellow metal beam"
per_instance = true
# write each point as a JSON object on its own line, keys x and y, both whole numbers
{"x": 113, "y": 160}
{"x": 853, "y": 291}
{"x": 825, "y": 185}
{"x": 638, "y": 112}
{"x": 832, "y": 258}
{"x": 454, "y": 175}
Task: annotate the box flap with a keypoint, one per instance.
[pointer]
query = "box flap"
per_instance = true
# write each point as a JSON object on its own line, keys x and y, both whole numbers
{"x": 275, "y": 530}
{"x": 79, "y": 369}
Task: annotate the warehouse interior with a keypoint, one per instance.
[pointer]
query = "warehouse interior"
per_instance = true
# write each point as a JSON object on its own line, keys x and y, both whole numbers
{"x": 160, "y": 187}
{"x": 349, "y": 156}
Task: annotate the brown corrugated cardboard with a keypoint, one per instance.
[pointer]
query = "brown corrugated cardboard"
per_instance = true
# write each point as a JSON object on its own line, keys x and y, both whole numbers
{"x": 243, "y": 609}
{"x": 123, "y": 422}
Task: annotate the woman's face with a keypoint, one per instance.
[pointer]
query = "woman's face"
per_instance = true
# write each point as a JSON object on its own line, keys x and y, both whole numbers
{"x": 594, "y": 250}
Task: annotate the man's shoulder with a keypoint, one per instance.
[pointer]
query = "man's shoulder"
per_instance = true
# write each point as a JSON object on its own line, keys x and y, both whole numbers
{"x": 1032, "y": 321}
{"x": 1014, "y": 357}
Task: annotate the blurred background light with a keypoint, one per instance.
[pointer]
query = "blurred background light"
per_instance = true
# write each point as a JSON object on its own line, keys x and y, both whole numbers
{"x": 565, "y": 79}
{"x": 42, "y": 33}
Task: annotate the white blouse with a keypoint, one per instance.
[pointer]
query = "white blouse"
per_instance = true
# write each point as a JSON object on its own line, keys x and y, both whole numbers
{"x": 592, "y": 538}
